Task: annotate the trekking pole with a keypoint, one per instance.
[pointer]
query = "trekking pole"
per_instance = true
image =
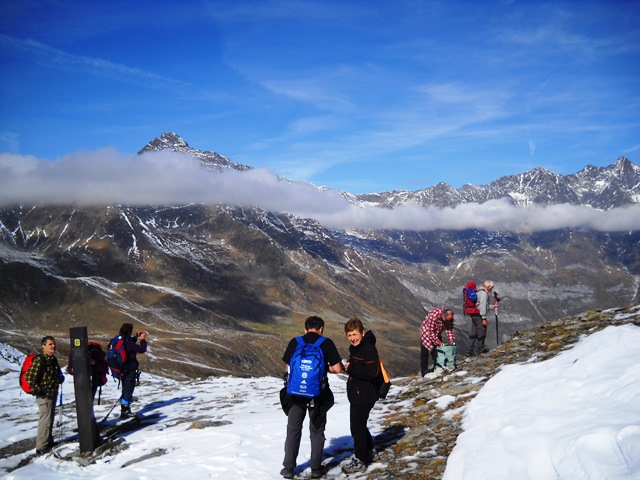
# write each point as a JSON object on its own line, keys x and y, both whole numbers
{"x": 60, "y": 420}
{"x": 496, "y": 301}
{"x": 111, "y": 410}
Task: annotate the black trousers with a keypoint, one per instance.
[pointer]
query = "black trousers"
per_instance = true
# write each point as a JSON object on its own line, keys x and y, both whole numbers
{"x": 362, "y": 440}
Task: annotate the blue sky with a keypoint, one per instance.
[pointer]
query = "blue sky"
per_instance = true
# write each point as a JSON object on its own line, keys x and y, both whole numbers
{"x": 358, "y": 96}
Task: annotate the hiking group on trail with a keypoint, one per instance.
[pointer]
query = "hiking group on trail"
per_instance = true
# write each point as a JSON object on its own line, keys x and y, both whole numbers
{"x": 476, "y": 305}
{"x": 309, "y": 359}
{"x": 41, "y": 376}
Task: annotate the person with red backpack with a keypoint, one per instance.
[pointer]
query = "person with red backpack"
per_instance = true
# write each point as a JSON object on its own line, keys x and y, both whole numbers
{"x": 43, "y": 377}
{"x": 97, "y": 367}
{"x": 478, "y": 311}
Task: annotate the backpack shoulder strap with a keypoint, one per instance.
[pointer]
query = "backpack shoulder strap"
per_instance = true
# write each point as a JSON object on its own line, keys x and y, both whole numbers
{"x": 320, "y": 341}
{"x": 40, "y": 365}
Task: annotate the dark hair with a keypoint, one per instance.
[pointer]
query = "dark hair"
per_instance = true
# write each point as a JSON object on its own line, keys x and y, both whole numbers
{"x": 313, "y": 323}
{"x": 353, "y": 324}
{"x": 46, "y": 339}
{"x": 126, "y": 329}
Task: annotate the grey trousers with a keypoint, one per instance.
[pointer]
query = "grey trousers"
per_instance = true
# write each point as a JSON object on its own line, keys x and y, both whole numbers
{"x": 295, "y": 419}
{"x": 47, "y": 412}
{"x": 477, "y": 335}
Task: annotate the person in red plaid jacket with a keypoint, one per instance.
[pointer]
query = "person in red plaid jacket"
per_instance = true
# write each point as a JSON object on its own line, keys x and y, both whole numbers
{"x": 436, "y": 321}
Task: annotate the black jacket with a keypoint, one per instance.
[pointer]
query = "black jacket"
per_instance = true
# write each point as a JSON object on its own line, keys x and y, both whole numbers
{"x": 364, "y": 367}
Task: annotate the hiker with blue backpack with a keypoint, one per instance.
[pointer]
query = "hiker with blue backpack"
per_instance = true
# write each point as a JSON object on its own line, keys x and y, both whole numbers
{"x": 363, "y": 367}
{"x": 308, "y": 358}
{"x": 476, "y": 306}
{"x": 123, "y": 363}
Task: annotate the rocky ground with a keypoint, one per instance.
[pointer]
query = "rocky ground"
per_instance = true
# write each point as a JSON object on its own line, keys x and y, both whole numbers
{"x": 420, "y": 436}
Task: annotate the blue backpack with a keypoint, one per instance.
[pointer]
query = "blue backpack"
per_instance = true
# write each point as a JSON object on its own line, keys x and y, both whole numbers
{"x": 470, "y": 300}
{"x": 117, "y": 356}
{"x": 306, "y": 369}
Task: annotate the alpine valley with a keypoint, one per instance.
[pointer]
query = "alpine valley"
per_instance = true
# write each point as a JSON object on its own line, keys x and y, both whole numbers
{"x": 222, "y": 288}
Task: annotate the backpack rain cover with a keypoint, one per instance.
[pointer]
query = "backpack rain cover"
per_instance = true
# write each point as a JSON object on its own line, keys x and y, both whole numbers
{"x": 23, "y": 373}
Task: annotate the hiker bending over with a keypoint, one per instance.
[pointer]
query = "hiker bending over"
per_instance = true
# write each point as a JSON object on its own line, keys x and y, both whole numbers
{"x": 363, "y": 367}
{"x": 44, "y": 376}
{"x": 436, "y": 321}
{"x": 319, "y": 405}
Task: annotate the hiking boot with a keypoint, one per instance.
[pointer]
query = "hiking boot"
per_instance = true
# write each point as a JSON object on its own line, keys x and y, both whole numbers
{"x": 355, "y": 465}
{"x": 287, "y": 472}
{"x": 437, "y": 372}
{"x": 318, "y": 473}
{"x": 372, "y": 456}
{"x": 126, "y": 412}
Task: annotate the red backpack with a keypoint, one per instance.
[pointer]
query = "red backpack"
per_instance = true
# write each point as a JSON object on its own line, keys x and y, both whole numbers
{"x": 23, "y": 373}
{"x": 99, "y": 357}
{"x": 470, "y": 298}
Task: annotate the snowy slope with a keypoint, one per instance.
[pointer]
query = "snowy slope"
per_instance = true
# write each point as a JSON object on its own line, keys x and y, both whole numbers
{"x": 573, "y": 416}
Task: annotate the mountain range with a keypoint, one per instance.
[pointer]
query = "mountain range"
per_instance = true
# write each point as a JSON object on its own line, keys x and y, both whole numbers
{"x": 222, "y": 288}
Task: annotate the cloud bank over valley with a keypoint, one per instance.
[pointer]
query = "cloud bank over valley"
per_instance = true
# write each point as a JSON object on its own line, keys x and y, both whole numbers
{"x": 108, "y": 177}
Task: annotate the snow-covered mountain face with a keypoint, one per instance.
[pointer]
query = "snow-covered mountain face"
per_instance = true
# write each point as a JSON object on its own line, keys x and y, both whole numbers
{"x": 221, "y": 289}
{"x": 211, "y": 160}
{"x": 603, "y": 188}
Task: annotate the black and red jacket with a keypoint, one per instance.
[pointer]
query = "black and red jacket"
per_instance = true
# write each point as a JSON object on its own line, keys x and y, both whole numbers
{"x": 364, "y": 367}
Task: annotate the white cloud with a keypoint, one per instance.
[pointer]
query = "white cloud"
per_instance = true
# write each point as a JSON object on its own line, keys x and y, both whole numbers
{"x": 493, "y": 215}
{"x": 107, "y": 177}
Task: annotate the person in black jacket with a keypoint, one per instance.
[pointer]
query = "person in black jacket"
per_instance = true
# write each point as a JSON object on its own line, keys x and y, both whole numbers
{"x": 130, "y": 377}
{"x": 363, "y": 367}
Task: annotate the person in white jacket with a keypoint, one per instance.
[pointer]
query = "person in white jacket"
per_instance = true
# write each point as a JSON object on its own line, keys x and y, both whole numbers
{"x": 485, "y": 307}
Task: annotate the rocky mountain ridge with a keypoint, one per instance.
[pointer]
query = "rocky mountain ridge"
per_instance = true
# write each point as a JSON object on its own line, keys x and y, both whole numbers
{"x": 173, "y": 142}
{"x": 598, "y": 187}
{"x": 223, "y": 288}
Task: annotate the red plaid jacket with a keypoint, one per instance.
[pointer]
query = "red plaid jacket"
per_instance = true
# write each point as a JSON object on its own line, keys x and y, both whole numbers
{"x": 432, "y": 328}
